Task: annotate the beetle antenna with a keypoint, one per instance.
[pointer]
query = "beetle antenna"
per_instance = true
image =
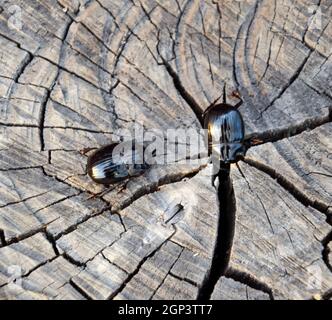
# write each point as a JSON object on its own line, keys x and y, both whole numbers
{"x": 236, "y": 94}
{"x": 215, "y": 101}
{"x": 211, "y": 105}
{"x": 224, "y": 93}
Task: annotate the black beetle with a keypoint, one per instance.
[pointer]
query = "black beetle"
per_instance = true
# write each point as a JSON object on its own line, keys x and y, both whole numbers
{"x": 226, "y": 136}
{"x": 226, "y": 132}
{"x": 116, "y": 162}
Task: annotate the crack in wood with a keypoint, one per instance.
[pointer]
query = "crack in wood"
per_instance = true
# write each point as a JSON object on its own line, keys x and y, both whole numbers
{"x": 249, "y": 280}
{"x": 52, "y": 241}
{"x": 75, "y": 262}
{"x": 267, "y": 64}
{"x": 225, "y": 234}
{"x": 112, "y": 263}
{"x": 168, "y": 273}
{"x": 20, "y": 99}
{"x": 49, "y": 91}
{"x": 25, "y": 199}
{"x": 274, "y": 135}
{"x": 29, "y": 234}
{"x": 131, "y": 275}
{"x": 85, "y": 219}
{"x": 80, "y": 264}
{"x": 58, "y": 201}
{"x": 193, "y": 283}
{"x": 23, "y": 67}
{"x": 18, "y": 125}
{"x": 310, "y": 20}
{"x": 320, "y": 93}
{"x": 288, "y": 186}
{"x": 180, "y": 88}
{"x": 19, "y": 168}
{"x": 79, "y": 290}
{"x": 148, "y": 14}
{"x": 163, "y": 181}
{"x": 258, "y": 197}
{"x": 42, "y": 119}
{"x": 78, "y": 129}
{"x": 288, "y": 84}
{"x": 59, "y": 66}
{"x": 326, "y": 251}
{"x": 3, "y": 241}
{"x": 109, "y": 12}
{"x": 37, "y": 267}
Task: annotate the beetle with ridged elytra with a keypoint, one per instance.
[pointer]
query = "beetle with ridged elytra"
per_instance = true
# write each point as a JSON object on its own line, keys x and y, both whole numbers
{"x": 226, "y": 134}
{"x": 117, "y": 162}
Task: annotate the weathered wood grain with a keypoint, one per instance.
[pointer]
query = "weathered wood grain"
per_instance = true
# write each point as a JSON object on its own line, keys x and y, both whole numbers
{"x": 308, "y": 166}
{"x": 228, "y": 289}
{"x": 50, "y": 281}
{"x": 283, "y": 239}
{"x": 77, "y": 74}
{"x": 19, "y": 259}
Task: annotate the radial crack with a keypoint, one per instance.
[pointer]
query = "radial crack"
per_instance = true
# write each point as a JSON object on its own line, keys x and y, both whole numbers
{"x": 168, "y": 273}
{"x": 273, "y": 135}
{"x": 288, "y": 186}
{"x": 225, "y": 234}
{"x": 326, "y": 251}
{"x": 3, "y": 241}
{"x": 181, "y": 89}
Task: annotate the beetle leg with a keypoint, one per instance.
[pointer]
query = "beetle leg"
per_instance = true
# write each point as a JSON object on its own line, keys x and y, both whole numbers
{"x": 99, "y": 194}
{"x": 251, "y": 142}
{"x": 236, "y": 94}
{"x": 84, "y": 151}
{"x": 255, "y": 142}
{"x": 213, "y": 180}
{"x": 215, "y": 171}
{"x": 123, "y": 186}
{"x": 102, "y": 193}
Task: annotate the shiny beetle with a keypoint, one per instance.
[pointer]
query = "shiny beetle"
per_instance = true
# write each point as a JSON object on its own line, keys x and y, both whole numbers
{"x": 116, "y": 162}
{"x": 225, "y": 131}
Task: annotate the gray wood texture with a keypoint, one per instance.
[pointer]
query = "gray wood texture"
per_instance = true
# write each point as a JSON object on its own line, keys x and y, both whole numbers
{"x": 75, "y": 73}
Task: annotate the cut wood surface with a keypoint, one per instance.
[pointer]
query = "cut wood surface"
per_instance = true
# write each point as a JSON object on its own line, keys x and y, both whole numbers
{"x": 76, "y": 74}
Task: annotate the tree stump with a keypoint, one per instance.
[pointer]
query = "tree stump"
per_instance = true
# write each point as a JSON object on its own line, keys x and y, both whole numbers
{"x": 74, "y": 73}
